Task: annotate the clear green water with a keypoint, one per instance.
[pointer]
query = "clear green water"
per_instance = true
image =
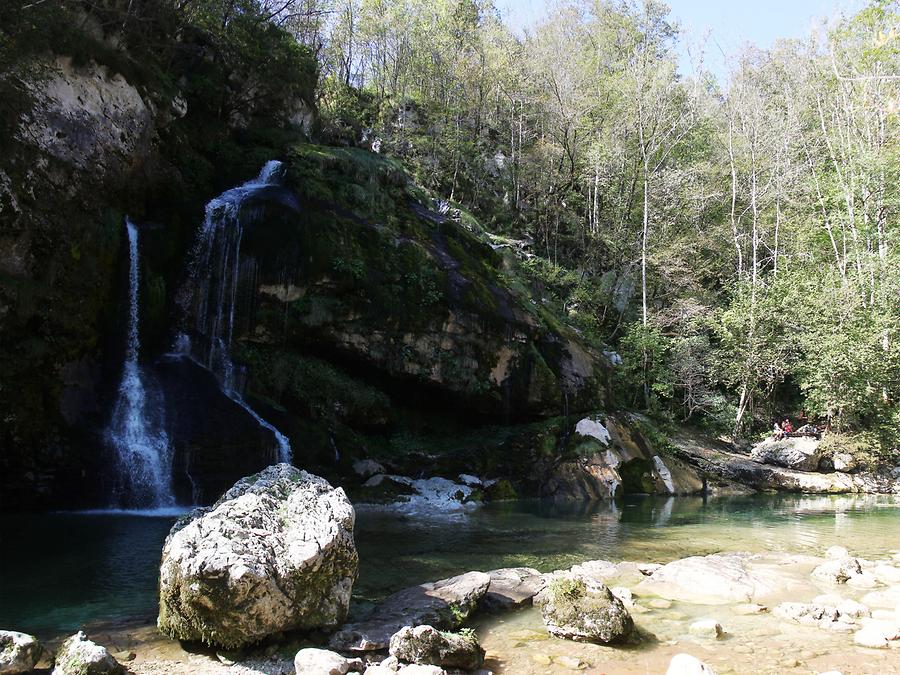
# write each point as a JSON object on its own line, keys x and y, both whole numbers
{"x": 60, "y": 572}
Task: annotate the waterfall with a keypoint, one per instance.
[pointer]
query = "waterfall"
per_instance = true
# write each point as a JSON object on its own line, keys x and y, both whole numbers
{"x": 211, "y": 294}
{"x": 137, "y": 429}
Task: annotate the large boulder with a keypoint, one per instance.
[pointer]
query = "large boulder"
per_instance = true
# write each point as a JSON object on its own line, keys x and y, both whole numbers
{"x": 80, "y": 656}
{"x": 581, "y": 609}
{"x": 511, "y": 588}
{"x": 717, "y": 579}
{"x": 429, "y": 646}
{"x": 19, "y": 652}
{"x": 609, "y": 456}
{"x": 275, "y": 553}
{"x": 802, "y": 453}
{"x": 443, "y": 604}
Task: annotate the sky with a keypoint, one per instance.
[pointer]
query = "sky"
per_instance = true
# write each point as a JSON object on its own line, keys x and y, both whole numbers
{"x": 730, "y": 23}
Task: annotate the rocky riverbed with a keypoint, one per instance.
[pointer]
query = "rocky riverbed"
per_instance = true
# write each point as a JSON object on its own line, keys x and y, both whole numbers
{"x": 736, "y": 613}
{"x": 769, "y": 611}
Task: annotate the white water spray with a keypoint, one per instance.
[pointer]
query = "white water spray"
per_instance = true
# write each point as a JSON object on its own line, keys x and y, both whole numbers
{"x": 137, "y": 430}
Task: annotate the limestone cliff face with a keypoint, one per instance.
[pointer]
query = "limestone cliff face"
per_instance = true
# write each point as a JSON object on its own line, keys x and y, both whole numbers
{"x": 82, "y": 135}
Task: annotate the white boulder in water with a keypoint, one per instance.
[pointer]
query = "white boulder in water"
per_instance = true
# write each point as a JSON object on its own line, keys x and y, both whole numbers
{"x": 275, "y": 553}
{"x": 80, "y": 656}
{"x": 19, "y": 652}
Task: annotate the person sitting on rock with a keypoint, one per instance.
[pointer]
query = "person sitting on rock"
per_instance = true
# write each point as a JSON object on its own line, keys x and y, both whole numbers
{"x": 777, "y": 433}
{"x": 788, "y": 428}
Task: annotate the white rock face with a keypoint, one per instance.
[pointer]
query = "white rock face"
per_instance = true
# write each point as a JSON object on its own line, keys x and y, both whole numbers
{"x": 843, "y": 461}
{"x": 685, "y": 664}
{"x": 19, "y": 652}
{"x": 275, "y": 553}
{"x": 86, "y": 116}
{"x": 594, "y": 429}
{"x": 664, "y": 474}
{"x": 80, "y": 656}
{"x": 800, "y": 453}
{"x": 320, "y": 662}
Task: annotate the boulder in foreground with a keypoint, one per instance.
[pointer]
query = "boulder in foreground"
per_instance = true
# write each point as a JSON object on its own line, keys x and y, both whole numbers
{"x": 429, "y": 646}
{"x": 443, "y": 604}
{"x": 275, "y": 553}
{"x": 80, "y": 656}
{"x": 19, "y": 652}
{"x": 581, "y": 609}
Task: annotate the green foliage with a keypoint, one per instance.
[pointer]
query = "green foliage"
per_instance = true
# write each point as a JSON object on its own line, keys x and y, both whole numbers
{"x": 567, "y": 590}
{"x": 645, "y": 373}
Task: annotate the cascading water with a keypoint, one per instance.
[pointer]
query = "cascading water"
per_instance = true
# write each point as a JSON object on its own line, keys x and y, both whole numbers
{"x": 137, "y": 429}
{"x": 210, "y": 297}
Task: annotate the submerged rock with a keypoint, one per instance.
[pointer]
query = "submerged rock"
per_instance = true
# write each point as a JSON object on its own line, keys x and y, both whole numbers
{"x": 816, "y": 614}
{"x": 708, "y": 628}
{"x": 19, "y": 652}
{"x": 713, "y": 579}
{"x": 80, "y": 656}
{"x": 429, "y": 646}
{"x": 443, "y": 604}
{"x": 275, "y": 553}
{"x": 581, "y": 609}
{"x": 511, "y": 588}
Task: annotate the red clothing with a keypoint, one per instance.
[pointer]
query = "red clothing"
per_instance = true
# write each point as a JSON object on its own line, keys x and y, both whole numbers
{"x": 788, "y": 428}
